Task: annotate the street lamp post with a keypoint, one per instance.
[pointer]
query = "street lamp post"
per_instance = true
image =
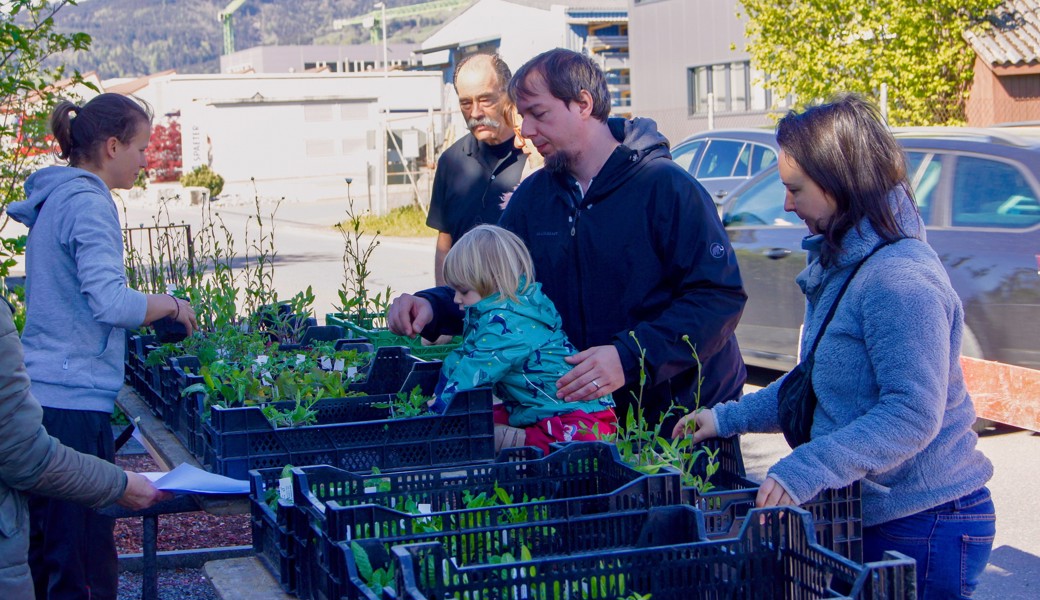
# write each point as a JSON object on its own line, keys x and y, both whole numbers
{"x": 382, "y": 22}
{"x": 385, "y": 111}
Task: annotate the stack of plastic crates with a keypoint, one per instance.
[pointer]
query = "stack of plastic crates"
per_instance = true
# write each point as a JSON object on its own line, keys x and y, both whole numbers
{"x": 773, "y": 556}
{"x": 579, "y": 479}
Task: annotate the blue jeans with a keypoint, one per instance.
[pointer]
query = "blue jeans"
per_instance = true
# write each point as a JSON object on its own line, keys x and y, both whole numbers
{"x": 951, "y": 544}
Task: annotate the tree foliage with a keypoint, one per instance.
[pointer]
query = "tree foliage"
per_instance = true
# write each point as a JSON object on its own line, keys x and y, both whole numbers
{"x": 814, "y": 49}
{"x": 164, "y": 152}
{"x": 28, "y": 92}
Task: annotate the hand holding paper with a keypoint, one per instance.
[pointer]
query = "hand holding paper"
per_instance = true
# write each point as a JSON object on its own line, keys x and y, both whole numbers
{"x": 187, "y": 479}
{"x": 140, "y": 493}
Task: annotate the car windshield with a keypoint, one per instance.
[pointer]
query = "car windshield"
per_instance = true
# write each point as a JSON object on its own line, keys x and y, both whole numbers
{"x": 761, "y": 203}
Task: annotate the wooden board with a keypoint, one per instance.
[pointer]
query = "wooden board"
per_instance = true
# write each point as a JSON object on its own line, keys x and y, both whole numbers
{"x": 1004, "y": 393}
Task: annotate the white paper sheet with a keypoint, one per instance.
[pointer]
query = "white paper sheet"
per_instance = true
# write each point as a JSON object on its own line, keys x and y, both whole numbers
{"x": 188, "y": 479}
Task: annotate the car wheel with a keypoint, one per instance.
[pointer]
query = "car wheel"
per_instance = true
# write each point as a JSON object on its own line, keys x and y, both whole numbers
{"x": 971, "y": 348}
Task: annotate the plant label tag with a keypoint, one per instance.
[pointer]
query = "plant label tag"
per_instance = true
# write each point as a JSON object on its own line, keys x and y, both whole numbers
{"x": 261, "y": 359}
{"x": 351, "y": 372}
{"x": 425, "y": 509}
{"x": 340, "y": 363}
{"x": 300, "y": 358}
{"x": 325, "y": 363}
{"x": 285, "y": 489}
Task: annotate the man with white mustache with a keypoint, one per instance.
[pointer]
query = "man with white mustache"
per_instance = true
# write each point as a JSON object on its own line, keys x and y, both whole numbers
{"x": 478, "y": 173}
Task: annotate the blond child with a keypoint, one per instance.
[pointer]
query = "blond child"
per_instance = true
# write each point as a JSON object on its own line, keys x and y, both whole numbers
{"x": 513, "y": 340}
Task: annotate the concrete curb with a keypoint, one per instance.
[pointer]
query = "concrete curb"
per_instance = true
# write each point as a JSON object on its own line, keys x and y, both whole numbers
{"x": 183, "y": 559}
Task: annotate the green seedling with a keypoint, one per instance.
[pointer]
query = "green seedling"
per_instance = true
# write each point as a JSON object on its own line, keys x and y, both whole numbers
{"x": 406, "y": 404}
{"x": 375, "y": 579}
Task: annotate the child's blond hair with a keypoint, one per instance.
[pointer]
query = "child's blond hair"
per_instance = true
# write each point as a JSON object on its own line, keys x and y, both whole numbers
{"x": 489, "y": 259}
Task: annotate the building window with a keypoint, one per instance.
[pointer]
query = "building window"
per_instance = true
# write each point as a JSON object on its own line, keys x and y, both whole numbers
{"x": 319, "y": 148}
{"x": 730, "y": 88}
{"x": 317, "y": 113}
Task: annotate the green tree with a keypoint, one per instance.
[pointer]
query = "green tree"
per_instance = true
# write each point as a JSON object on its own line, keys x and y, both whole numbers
{"x": 28, "y": 92}
{"x": 813, "y": 49}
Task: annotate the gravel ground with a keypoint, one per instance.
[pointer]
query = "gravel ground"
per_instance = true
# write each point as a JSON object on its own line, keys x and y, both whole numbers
{"x": 176, "y": 532}
{"x": 174, "y": 584}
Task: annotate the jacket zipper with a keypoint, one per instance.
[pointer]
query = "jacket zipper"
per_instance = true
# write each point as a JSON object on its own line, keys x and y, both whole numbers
{"x": 576, "y": 199}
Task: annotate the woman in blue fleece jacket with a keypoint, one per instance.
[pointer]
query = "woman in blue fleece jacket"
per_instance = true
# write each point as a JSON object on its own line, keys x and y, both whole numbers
{"x": 893, "y": 411}
{"x": 78, "y": 307}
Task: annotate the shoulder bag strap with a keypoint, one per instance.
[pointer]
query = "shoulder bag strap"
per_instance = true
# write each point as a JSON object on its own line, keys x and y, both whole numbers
{"x": 841, "y": 292}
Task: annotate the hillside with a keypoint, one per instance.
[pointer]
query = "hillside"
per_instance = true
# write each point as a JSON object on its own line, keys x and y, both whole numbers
{"x": 138, "y": 37}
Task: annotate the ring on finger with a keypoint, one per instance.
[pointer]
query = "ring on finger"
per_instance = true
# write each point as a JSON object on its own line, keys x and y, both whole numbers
{"x": 595, "y": 384}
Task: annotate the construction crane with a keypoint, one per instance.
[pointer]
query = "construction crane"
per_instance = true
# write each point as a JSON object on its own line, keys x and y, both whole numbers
{"x": 372, "y": 19}
{"x": 224, "y": 17}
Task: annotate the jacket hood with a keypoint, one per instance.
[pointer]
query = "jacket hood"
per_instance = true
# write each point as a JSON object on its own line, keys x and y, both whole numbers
{"x": 42, "y": 184}
{"x": 639, "y": 135}
{"x": 533, "y": 304}
{"x": 640, "y": 144}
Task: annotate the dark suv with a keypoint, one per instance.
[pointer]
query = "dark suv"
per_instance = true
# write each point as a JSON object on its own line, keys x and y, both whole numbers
{"x": 977, "y": 191}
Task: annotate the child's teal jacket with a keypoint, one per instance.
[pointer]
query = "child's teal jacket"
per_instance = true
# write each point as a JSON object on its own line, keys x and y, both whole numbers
{"x": 518, "y": 347}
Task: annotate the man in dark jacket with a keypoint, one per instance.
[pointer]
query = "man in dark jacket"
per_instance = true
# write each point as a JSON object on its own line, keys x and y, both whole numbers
{"x": 477, "y": 174}
{"x": 32, "y": 461}
{"x": 626, "y": 244}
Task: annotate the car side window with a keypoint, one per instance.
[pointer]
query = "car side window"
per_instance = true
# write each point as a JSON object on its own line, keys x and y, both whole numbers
{"x": 684, "y": 154}
{"x": 761, "y": 204}
{"x": 923, "y": 170}
{"x": 990, "y": 193}
{"x": 762, "y": 157}
{"x": 719, "y": 159}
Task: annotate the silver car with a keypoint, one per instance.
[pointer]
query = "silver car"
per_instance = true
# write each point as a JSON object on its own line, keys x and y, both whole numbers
{"x": 722, "y": 159}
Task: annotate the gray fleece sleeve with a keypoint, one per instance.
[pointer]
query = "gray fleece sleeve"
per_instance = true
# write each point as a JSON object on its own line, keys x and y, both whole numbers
{"x": 753, "y": 413}
{"x": 94, "y": 239}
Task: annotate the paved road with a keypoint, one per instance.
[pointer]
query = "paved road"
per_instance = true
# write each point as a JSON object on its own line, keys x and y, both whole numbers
{"x": 309, "y": 253}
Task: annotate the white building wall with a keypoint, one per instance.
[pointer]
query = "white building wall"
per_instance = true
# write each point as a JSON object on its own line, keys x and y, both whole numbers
{"x": 297, "y": 135}
{"x": 525, "y": 31}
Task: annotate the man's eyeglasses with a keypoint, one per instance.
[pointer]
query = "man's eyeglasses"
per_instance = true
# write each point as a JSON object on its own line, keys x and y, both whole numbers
{"x": 485, "y": 101}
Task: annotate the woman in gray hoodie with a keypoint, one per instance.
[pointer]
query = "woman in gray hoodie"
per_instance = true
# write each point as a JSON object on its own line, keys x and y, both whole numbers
{"x": 892, "y": 408}
{"x": 78, "y": 307}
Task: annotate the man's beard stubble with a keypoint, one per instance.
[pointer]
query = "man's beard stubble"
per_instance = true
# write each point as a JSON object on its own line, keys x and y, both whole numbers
{"x": 558, "y": 162}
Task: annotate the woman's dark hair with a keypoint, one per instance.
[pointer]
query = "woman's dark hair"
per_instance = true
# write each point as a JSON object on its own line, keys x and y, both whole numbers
{"x": 81, "y": 130}
{"x": 566, "y": 73}
{"x": 845, "y": 147}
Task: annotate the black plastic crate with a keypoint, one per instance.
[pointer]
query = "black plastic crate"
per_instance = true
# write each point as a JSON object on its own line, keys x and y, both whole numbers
{"x": 138, "y": 348}
{"x": 185, "y": 419}
{"x": 355, "y": 435}
{"x": 272, "y": 528}
{"x": 388, "y": 370}
{"x": 657, "y": 526}
{"x": 837, "y": 514}
{"x": 578, "y": 479}
{"x": 774, "y": 559}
